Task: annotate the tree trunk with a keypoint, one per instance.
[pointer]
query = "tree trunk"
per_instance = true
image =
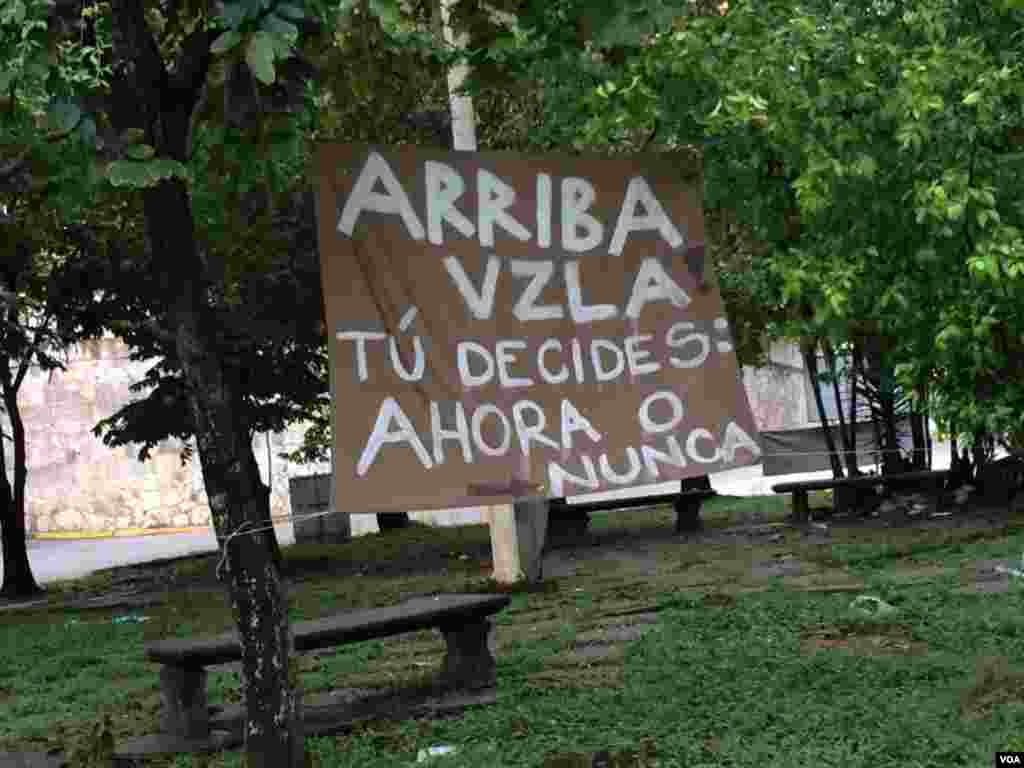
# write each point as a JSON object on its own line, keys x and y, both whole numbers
{"x": 919, "y": 455}
{"x": 18, "y": 579}
{"x": 882, "y": 379}
{"x": 847, "y": 436}
{"x": 146, "y": 96}
{"x": 853, "y": 420}
{"x": 811, "y": 361}
{"x": 876, "y": 427}
{"x": 982, "y": 452}
{"x": 928, "y": 441}
{"x": 463, "y": 112}
{"x": 860, "y": 375}
{"x": 888, "y": 401}
{"x": 957, "y": 476}
{"x": 239, "y": 501}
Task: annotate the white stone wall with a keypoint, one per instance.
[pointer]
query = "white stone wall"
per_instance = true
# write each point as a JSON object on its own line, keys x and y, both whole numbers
{"x": 777, "y": 395}
{"x": 76, "y": 483}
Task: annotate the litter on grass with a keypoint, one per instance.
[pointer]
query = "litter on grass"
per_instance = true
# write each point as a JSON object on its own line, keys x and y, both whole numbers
{"x": 431, "y": 752}
{"x": 129, "y": 619}
{"x": 869, "y": 605}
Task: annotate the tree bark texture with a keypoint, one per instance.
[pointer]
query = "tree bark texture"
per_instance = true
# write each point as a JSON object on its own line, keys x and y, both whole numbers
{"x": 847, "y": 436}
{"x": 18, "y": 579}
{"x": 239, "y": 502}
{"x": 920, "y": 451}
{"x": 811, "y": 361}
{"x": 927, "y": 438}
{"x": 145, "y": 95}
{"x": 881, "y": 376}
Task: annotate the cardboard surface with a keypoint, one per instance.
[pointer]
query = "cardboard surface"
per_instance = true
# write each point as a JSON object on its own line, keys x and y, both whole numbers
{"x": 504, "y": 326}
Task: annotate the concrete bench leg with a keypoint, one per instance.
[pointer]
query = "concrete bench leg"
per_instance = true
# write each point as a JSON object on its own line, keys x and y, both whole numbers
{"x": 688, "y": 514}
{"x": 801, "y": 507}
{"x": 186, "y": 714}
{"x": 468, "y": 663}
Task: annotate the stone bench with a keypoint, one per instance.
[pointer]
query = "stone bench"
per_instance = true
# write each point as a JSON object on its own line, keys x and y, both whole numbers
{"x": 462, "y": 619}
{"x": 573, "y": 519}
{"x": 1001, "y": 480}
{"x": 800, "y": 489}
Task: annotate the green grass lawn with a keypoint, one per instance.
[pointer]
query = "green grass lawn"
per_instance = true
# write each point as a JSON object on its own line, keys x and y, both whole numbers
{"x": 762, "y": 673}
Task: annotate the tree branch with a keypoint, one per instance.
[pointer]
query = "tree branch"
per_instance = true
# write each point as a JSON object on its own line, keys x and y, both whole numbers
{"x": 651, "y": 138}
{"x": 192, "y": 64}
{"x": 32, "y": 351}
{"x": 201, "y": 102}
{"x": 10, "y": 169}
{"x": 151, "y": 325}
{"x": 140, "y": 76}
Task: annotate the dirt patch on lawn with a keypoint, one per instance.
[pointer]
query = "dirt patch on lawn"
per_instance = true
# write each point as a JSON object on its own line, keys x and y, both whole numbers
{"x": 980, "y": 576}
{"x": 862, "y": 640}
{"x": 996, "y": 684}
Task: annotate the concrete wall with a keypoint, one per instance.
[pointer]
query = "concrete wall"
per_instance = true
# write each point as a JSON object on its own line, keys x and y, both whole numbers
{"x": 777, "y": 393}
{"x": 78, "y": 484}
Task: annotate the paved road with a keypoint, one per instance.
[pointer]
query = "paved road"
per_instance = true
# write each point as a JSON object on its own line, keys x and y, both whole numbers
{"x": 65, "y": 559}
{"x": 55, "y": 559}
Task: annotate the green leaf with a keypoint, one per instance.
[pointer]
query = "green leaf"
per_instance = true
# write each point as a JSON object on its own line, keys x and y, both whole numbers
{"x": 972, "y": 98}
{"x": 126, "y": 174}
{"x": 6, "y": 79}
{"x": 259, "y": 55}
{"x": 140, "y": 152}
{"x": 13, "y": 13}
{"x": 140, "y": 175}
{"x": 278, "y": 27}
{"x": 226, "y": 41}
{"x": 64, "y": 116}
{"x": 387, "y": 11}
{"x": 39, "y": 65}
{"x": 87, "y": 132}
{"x": 234, "y": 14}
{"x": 289, "y": 11}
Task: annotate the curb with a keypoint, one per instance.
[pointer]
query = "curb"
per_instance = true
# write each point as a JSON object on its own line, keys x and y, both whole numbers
{"x": 118, "y": 534}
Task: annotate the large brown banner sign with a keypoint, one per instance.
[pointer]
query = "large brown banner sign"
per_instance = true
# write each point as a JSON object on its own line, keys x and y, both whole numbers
{"x": 507, "y": 326}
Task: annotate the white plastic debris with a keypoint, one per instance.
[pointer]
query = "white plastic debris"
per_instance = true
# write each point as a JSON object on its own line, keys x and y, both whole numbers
{"x": 1010, "y": 571}
{"x": 431, "y": 752}
{"x": 869, "y": 605}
